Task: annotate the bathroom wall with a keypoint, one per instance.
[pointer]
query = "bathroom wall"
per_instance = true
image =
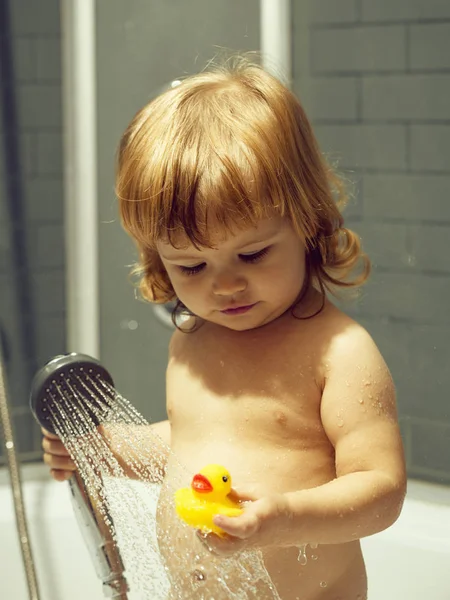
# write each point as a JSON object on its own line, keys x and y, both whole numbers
{"x": 143, "y": 46}
{"x": 33, "y": 335}
{"x": 375, "y": 76}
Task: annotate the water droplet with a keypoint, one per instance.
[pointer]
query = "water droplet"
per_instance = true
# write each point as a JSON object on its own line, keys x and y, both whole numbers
{"x": 314, "y": 556}
{"x": 198, "y": 575}
{"x": 302, "y": 558}
{"x": 323, "y": 584}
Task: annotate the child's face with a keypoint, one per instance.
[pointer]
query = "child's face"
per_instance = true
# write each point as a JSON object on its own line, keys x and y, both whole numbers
{"x": 249, "y": 278}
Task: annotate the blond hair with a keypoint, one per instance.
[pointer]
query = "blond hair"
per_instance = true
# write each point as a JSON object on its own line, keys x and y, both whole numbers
{"x": 231, "y": 144}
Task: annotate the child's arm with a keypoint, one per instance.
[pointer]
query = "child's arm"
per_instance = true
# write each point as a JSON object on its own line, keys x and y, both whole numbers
{"x": 358, "y": 412}
{"x": 359, "y": 415}
{"x": 62, "y": 466}
{"x": 153, "y": 442}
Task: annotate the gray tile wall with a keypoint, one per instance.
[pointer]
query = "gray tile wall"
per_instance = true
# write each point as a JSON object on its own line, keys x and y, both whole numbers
{"x": 161, "y": 40}
{"x": 377, "y": 88}
{"x": 36, "y": 45}
{"x": 376, "y": 83}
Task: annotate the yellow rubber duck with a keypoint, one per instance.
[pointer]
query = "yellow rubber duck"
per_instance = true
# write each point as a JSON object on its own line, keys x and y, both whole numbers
{"x": 207, "y": 496}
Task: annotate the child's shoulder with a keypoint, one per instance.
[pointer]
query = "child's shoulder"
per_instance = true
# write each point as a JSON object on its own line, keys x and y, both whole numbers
{"x": 344, "y": 341}
{"x": 334, "y": 321}
{"x": 336, "y": 333}
{"x": 329, "y": 335}
{"x": 184, "y": 336}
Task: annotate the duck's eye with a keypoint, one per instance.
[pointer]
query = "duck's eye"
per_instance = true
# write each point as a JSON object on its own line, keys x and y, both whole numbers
{"x": 224, "y": 478}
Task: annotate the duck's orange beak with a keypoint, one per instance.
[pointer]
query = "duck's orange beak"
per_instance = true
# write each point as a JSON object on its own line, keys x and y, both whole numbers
{"x": 201, "y": 484}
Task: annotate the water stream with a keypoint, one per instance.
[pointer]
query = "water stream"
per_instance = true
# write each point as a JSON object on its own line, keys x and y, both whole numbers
{"x": 122, "y": 463}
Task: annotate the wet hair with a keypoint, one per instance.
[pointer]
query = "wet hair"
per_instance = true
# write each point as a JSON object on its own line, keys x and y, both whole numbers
{"x": 231, "y": 145}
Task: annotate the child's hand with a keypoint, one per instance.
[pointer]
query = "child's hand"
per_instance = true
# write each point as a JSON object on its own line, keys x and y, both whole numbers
{"x": 262, "y": 523}
{"x": 57, "y": 457}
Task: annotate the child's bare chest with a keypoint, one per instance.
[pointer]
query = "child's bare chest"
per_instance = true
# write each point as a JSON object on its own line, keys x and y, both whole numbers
{"x": 272, "y": 397}
{"x": 229, "y": 400}
{"x": 245, "y": 372}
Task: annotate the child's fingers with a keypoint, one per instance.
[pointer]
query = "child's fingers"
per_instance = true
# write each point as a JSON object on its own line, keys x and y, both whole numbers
{"x": 62, "y": 463}
{"x": 60, "y": 475}
{"x": 242, "y": 527}
{"x": 220, "y": 546}
{"x": 242, "y": 495}
{"x": 56, "y": 457}
{"x": 54, "y": 446}
{"x": 47, "y": 434}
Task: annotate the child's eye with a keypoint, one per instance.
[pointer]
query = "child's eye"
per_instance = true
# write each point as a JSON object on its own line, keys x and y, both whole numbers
{"x": 192, "y": 270}
{"x": 251, "y": 258}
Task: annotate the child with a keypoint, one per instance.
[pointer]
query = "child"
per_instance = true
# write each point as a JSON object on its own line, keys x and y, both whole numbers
{"x": 233, "y": 209}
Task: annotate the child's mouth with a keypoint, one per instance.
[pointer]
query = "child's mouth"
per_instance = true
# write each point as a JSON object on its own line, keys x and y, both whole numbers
{"x": 239, "y": 310}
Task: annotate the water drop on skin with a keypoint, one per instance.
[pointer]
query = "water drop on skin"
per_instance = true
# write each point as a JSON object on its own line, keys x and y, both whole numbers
{"x": 302, "y": 558}
{"x": 197, "y": 575}
{"x": 323, "y": 584}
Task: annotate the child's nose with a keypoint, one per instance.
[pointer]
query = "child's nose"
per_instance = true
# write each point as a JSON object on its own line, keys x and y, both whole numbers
{"x": 228, "y": 283}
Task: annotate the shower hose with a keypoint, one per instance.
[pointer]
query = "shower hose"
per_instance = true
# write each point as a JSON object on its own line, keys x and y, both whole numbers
{"x": 16, "y": 485}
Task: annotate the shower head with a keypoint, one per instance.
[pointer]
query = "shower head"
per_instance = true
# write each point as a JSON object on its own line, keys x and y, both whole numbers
{"x": 70, "y": 379}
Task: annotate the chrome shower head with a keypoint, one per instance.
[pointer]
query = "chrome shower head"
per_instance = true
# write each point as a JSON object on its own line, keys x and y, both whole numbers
{"x": 75, "y": 379}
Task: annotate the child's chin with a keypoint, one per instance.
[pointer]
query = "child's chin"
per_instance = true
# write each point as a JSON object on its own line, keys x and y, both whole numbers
{"x": 241, "y": 324}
